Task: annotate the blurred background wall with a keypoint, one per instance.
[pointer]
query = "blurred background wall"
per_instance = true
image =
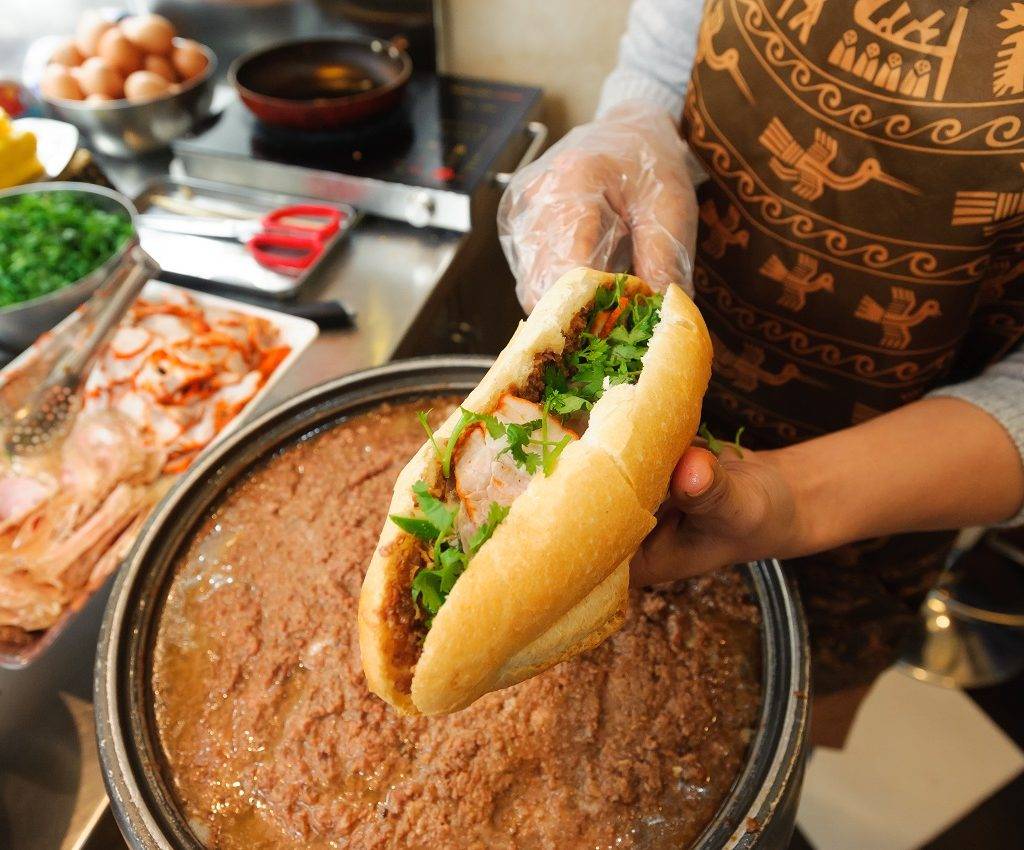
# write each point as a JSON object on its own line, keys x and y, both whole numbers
{"x": 564, "y": 46}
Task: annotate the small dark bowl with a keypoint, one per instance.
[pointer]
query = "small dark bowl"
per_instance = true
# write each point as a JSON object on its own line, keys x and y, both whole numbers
{"x": 312, "y": 84}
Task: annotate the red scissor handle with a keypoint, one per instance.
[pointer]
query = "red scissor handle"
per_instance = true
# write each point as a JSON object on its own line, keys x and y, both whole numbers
{"x": 285, "y": 251}
{"x": 329, "y": 216}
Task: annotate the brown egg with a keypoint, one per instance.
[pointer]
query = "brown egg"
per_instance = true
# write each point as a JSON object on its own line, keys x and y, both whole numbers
{"x": 67, "y": 54}
{"x": 188, "y": 58}
{"x": 118, "y": 52}
{"x": 161, "y": 65}
{"x": 151, "y": 33}
{"x": 58, "y": 83}
{"x": 144, "y": 85}
{"x": 98, "y": 98}
{"x": 96, "y": 77}
{"x": 87, "y": 35}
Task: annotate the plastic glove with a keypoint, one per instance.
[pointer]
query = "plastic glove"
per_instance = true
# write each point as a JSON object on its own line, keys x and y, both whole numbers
{"x": 611, "y": 194}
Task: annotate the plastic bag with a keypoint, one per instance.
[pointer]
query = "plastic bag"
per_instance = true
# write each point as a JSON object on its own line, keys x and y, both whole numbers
{"x": 613, "y": 194}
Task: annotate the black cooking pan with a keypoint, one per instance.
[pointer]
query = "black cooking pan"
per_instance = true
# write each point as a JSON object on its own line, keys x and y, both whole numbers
{"x": 321, "y": 83}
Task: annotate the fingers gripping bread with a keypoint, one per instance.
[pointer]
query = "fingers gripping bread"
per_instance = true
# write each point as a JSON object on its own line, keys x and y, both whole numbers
{"x": 552, "y": 579}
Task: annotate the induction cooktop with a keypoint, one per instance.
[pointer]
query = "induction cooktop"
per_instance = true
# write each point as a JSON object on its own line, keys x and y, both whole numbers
{"x": 422, "y": 162}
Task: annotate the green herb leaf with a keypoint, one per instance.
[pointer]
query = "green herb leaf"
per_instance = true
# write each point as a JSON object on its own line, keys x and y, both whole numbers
{"x": 466, "y": 419}
{"x": 493, "y": 426}
{"x": 608, "y": 296}
{"x": 422, "y": 416}
{"x": 421, "y": 528}
{"x": 715, "y": 445}
{"x": 431, "y": 586}
{"x": 736, "y": 440}
{"x": 426, "y": 592}
{"x": 437, "y": 514}
{"x": 495, "y": 515}
{"x": 519, "y": 437}
{"x": 552, "y": 455}
{"x": 451, "y": 563}
{"x": 565, "y": 404}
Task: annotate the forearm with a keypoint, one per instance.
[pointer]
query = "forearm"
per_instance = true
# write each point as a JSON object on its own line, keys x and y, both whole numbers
{"x": 655, "y": 55}
{"x": 937, "y": 463}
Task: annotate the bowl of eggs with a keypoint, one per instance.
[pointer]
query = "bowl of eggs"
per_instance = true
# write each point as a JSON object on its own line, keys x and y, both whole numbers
{"x": 133, "y": 85}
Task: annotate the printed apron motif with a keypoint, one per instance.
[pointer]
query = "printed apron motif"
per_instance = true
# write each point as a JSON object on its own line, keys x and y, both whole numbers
{"x": 861, "y": 242}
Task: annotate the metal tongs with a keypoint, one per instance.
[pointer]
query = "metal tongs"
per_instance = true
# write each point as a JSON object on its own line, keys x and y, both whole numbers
{"x": 39, "y": 400}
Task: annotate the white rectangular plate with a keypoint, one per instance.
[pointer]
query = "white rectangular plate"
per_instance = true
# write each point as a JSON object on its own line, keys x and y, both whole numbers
{"x": 295, "y": 332}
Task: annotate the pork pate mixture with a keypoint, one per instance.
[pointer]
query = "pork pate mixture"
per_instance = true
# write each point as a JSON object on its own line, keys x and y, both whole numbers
{"x": 271, "y": 738}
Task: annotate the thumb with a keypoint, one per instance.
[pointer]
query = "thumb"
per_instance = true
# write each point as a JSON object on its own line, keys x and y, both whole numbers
{"x": 700, "y": 486}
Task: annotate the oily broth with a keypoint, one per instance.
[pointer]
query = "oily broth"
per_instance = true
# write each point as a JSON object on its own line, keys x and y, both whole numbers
{"x": 248, "y": 658}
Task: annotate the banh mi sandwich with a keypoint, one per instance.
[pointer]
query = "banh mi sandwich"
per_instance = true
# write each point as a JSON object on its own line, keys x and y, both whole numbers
{"x": 509, "y": 535}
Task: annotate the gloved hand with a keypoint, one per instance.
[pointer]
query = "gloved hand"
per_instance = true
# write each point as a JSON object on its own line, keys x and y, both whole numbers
{"x": 623, "y": 175}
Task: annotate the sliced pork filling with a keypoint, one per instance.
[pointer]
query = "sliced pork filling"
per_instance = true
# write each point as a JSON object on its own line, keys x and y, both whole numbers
{"x": 490, "y": 457}
{"x": 486, "y": 470}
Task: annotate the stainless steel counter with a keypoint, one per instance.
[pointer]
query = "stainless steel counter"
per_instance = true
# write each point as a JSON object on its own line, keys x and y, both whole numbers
{"x": 51, "y": 790}
{"x": 413, "y": 291}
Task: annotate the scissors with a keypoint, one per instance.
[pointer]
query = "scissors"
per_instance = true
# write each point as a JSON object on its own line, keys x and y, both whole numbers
{"x": 287, "y": 239}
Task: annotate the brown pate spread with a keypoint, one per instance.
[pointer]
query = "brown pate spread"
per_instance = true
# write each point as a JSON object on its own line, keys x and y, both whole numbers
{"x": 271, "y": 739}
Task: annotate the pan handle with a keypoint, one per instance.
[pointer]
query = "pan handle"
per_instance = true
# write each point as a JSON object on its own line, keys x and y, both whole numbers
{"x": 538, "y": 135}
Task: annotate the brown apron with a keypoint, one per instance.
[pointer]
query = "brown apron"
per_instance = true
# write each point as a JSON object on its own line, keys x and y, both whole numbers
{"x": 861, "y": 243}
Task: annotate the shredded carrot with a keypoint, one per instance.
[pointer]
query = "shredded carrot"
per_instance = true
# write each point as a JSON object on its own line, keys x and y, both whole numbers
{"x": 219, "y": 352}
{"x": 272, "y": 358}
{"x": 613, "y": 317}
{"x": 598, "y": 321}
{"x": 179, "y": 463}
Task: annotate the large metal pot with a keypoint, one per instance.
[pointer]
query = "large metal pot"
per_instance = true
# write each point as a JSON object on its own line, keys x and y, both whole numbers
{"x": 759, "y": 811}
{"x": 20, "y": 324}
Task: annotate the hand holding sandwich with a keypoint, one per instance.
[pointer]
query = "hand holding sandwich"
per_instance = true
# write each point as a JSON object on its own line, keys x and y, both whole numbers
{"x": 618, "y": 182}
{"x": 937, "y": 463}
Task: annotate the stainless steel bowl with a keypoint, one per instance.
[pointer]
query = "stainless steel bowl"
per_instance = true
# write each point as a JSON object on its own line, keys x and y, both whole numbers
{"x": 20, "y": 324}
{"x": 759, "y": 811}
{"x": 120, "y": 128}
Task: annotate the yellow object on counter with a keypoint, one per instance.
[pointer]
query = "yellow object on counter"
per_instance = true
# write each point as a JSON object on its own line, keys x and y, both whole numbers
{"x": 18, "y": 160}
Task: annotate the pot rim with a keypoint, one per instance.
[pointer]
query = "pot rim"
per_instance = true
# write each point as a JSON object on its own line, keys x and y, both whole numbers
{"x": 774, "y": 761}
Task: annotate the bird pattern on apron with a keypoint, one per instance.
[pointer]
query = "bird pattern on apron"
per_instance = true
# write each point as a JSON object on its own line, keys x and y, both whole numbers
{"x": 861, "y": 242}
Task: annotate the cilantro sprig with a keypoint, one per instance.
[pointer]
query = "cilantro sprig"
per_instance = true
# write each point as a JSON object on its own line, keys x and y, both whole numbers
{"x": 518, "y": 436}
{"x": 604, "y": 360}
{"x": 716, "y": 446}
{"x": 495, "y": 515}
{"x": 466, "y": 418}
{"x": 431, "y": 585}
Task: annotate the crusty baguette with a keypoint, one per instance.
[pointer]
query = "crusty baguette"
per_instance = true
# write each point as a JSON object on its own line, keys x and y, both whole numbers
{"x": 597, "y": 616}
{"x": 646, "y": 426}
{"x": 552, "y": 581}
{"x": 561, "y": 539}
